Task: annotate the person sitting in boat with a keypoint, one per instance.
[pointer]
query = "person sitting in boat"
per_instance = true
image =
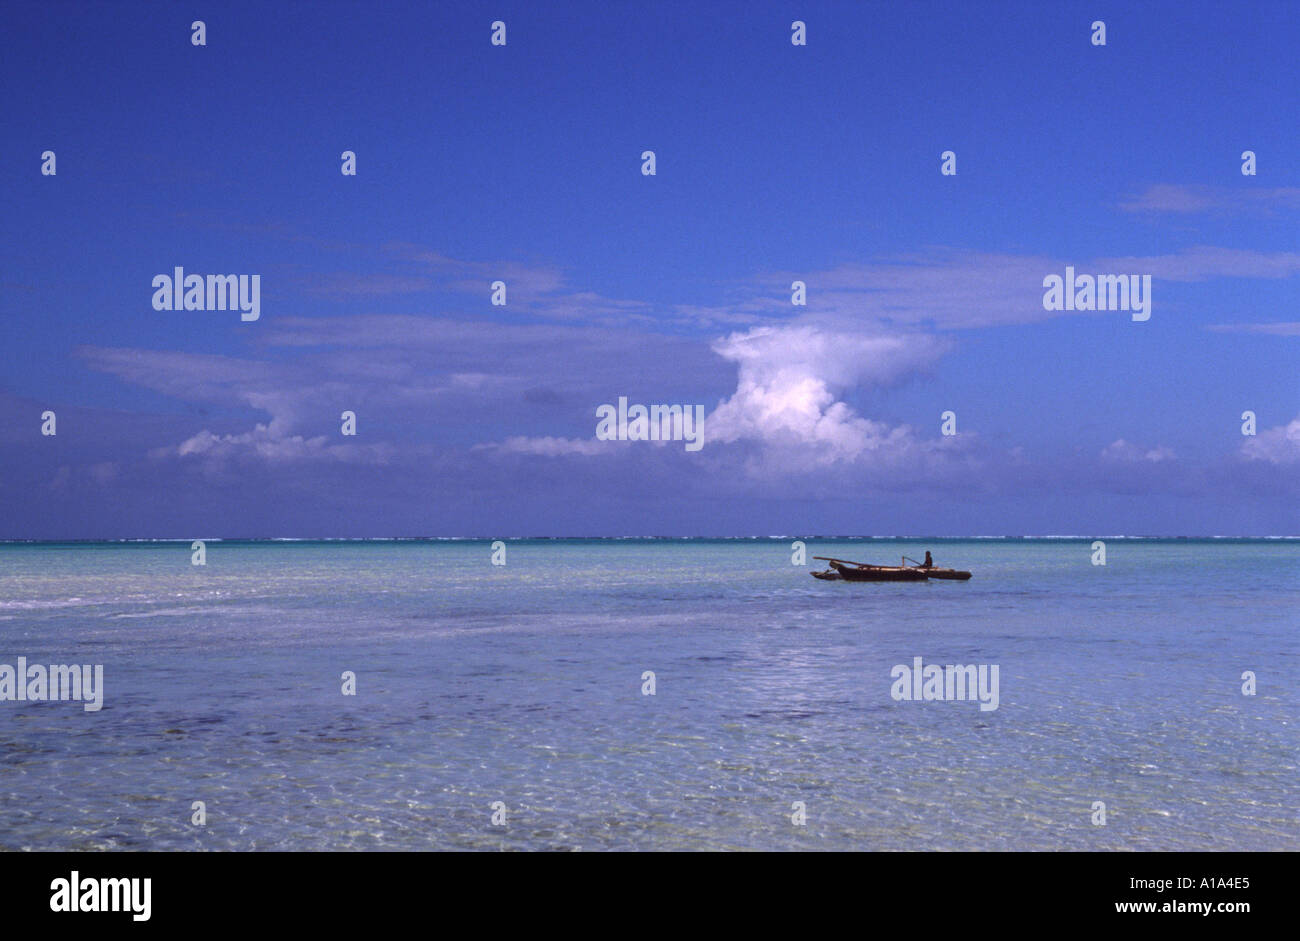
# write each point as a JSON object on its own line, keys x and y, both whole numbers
{"x": 929, "y": 562}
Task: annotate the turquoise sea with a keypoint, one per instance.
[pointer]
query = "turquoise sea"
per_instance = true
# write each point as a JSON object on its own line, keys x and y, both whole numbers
{"x": 522, "y": 684}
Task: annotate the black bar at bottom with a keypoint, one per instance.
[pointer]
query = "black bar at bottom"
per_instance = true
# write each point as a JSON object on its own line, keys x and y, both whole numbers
{"x": 331, "y": 891}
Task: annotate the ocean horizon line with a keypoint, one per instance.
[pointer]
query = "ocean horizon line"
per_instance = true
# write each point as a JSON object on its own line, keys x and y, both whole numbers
{"x": 148, "y": 540}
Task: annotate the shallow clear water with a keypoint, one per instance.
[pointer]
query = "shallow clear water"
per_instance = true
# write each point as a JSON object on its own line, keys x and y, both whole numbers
{"x": 478, "y": 683}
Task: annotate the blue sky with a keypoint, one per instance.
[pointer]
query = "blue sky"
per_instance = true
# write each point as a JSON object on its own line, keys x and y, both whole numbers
{"x": 774, "y": 163}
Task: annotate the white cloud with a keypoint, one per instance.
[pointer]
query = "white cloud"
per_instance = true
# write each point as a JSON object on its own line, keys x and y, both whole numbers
{"x": 953, "y": 289}
{"x": 273, "y": 446}
{"x": 1191, "y": 198}
{"x": 1282, "y": 328}
{"x": 790, "y": 379}
{"x": 1204, "y": 262}
{"x": 548, "y": 447}
{"x": 1280, "y": 445}
{"x": 1121, "y": 450}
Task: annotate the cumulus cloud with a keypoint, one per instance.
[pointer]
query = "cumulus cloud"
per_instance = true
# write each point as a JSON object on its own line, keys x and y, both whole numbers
{"x": 789, "y": 385}
{"x": 786, "y": 414}
{"x": 261, "y": 440}
{"x": 273, "y": 446}
{"x": 1280, "y": 445}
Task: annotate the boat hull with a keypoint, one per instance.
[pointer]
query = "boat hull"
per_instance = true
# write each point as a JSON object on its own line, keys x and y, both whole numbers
{"x": 879, "y": 573}
{"x": 947, "y": 573}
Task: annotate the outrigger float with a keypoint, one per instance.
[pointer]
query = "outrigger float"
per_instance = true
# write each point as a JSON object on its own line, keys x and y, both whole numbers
{"x": 844, "y": 570}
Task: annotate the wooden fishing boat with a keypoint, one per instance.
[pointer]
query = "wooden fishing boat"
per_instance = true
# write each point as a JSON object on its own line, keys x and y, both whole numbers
{"x": 864, "y": 572}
